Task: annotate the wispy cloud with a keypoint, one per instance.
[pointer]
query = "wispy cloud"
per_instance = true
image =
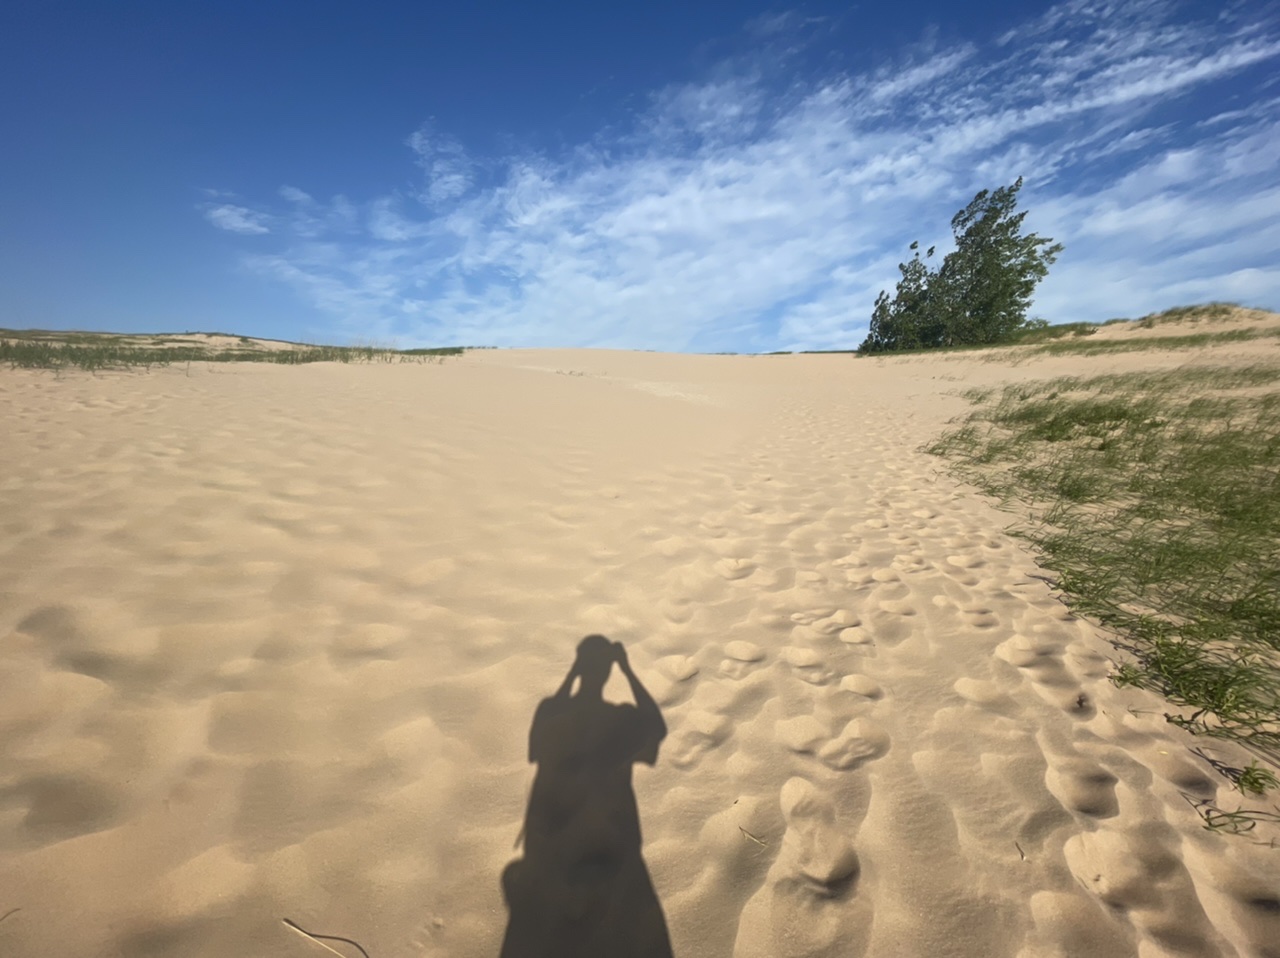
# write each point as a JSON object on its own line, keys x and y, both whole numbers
{"x": 751, "y": 211}
{"x": 446, "y": 167}
{"x": 237, "y": 219}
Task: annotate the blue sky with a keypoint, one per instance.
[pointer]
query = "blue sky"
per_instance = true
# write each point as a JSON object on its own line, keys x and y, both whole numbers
{"x": 690, "y": 177}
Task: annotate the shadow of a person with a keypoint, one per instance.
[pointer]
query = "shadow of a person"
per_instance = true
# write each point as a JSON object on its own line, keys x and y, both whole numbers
{"x": 582, "y": 888}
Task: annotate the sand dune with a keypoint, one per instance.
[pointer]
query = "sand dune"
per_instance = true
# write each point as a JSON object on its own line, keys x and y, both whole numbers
{"x": 272, "y": 640}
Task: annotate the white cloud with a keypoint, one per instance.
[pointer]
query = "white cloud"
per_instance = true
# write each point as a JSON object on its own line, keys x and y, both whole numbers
{"x": 295, "y": 195}
{"x": 447, "y": 167}
{"x": 748, "y": 211}
{"x": 237, "y": 219}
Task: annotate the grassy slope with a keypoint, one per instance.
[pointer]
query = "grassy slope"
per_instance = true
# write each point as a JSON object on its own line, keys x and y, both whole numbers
{"x": 1079, "y": 338}
{"x": 1156, "y": 499}
{"x": 40, "y": 349}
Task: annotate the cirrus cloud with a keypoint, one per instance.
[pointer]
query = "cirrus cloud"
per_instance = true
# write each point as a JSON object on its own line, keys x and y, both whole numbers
{"x": 752, "y": 211}
{"x": 237, "y": 219}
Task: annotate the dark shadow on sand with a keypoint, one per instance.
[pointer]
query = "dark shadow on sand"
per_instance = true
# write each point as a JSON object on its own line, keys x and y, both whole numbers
{"x": 582, "y": 888}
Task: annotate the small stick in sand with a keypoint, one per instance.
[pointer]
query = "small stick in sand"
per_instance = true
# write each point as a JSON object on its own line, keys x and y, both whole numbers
{"x": 316, "y": 938}
{"x": 752, "y": 837}
{"x": 9, "y": 912}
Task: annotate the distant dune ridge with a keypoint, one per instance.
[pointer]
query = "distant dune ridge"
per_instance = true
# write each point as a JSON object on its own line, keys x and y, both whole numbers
{"x": 274, "y": 639}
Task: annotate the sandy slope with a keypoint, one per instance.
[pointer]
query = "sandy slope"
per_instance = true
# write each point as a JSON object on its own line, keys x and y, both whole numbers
{"x": 271, "y": 640}
{"x": 1230, "y": 319}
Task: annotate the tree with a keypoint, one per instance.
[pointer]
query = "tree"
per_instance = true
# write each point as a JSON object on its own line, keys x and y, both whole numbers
{"x": 907, "y": 321}
{"x": 985, "y": 286}
{"x": 981, "y": 292}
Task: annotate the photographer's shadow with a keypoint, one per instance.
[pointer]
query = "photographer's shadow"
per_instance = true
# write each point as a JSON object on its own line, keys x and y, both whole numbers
{"x": 582, "y": 888}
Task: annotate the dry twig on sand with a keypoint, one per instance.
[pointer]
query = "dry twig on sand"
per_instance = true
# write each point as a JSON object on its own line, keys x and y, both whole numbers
{"x": 316, "y": 938}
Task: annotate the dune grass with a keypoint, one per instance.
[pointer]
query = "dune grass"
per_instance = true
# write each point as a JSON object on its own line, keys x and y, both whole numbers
{"x": 1077, "y": 338}
{"x": 36, "y": 349}
{"x": 1073, "y": 338}
{"x": 1185, "y": 341}
{"x": 1155, "y": 497}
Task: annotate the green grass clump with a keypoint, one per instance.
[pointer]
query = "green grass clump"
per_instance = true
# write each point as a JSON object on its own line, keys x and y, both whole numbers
{"x": 1256, "y": 780}
{"x": 433, "y": 351}
{"x": 1156, "y": 499}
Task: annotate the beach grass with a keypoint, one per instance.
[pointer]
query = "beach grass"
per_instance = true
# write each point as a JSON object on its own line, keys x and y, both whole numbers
{"x": 1185, "y": 341}
{"x": 38, "y": 349}
{"x": 1155, "y": 498}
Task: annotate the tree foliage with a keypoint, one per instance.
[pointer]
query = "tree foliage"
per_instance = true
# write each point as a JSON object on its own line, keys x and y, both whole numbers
{"x": 981, "y": 292}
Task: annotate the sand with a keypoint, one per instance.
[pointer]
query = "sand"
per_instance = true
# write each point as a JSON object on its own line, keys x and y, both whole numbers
{"x": 272, "y": 639}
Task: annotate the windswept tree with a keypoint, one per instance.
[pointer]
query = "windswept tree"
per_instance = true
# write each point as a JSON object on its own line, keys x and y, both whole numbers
{"x": 983, "y": 289}
{"x": 907, "y": 320}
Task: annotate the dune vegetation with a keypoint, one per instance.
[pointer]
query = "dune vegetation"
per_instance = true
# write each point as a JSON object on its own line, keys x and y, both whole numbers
{"x": 41, "y": 349}
{"x": 1155, "y": 499}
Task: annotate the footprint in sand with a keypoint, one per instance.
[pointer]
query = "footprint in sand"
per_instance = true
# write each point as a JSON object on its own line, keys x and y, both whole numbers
{"x": 902, "y": 607}
{"x": 671, "y": 685}
{"x": 890, "y": 628}
{"x": 701, "y": 732}
{"x": 1139, "y": 876}
{"x": 741, "y": 659}
{"x": 809, "y": 618}
{"x": 1083, "y": 787}
{"x": 732, "y": 569}
{"x": 910, "y": 563}
{"x": 837, "y": 622}
{"x": 857, "y": 572}
{"x": 861, "y": 741}
{"x": 679, "y": 668}
{"x": 979, "y": 617}
{"x": 807, "y": 905}
{"x": 855, "y": 635}
{"x": 813, "y": 845}
{"x": 1071, "y": 924}
{"x": 985, "y": 695}
{"x": 1178, "y": 771}
{"x": 803, "y": 734}
{"x": 861, "y": 685}
{"x": 1087, "y": 663}
{"x": 807, "y": 665}
{"x": 1041, "y": 660}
